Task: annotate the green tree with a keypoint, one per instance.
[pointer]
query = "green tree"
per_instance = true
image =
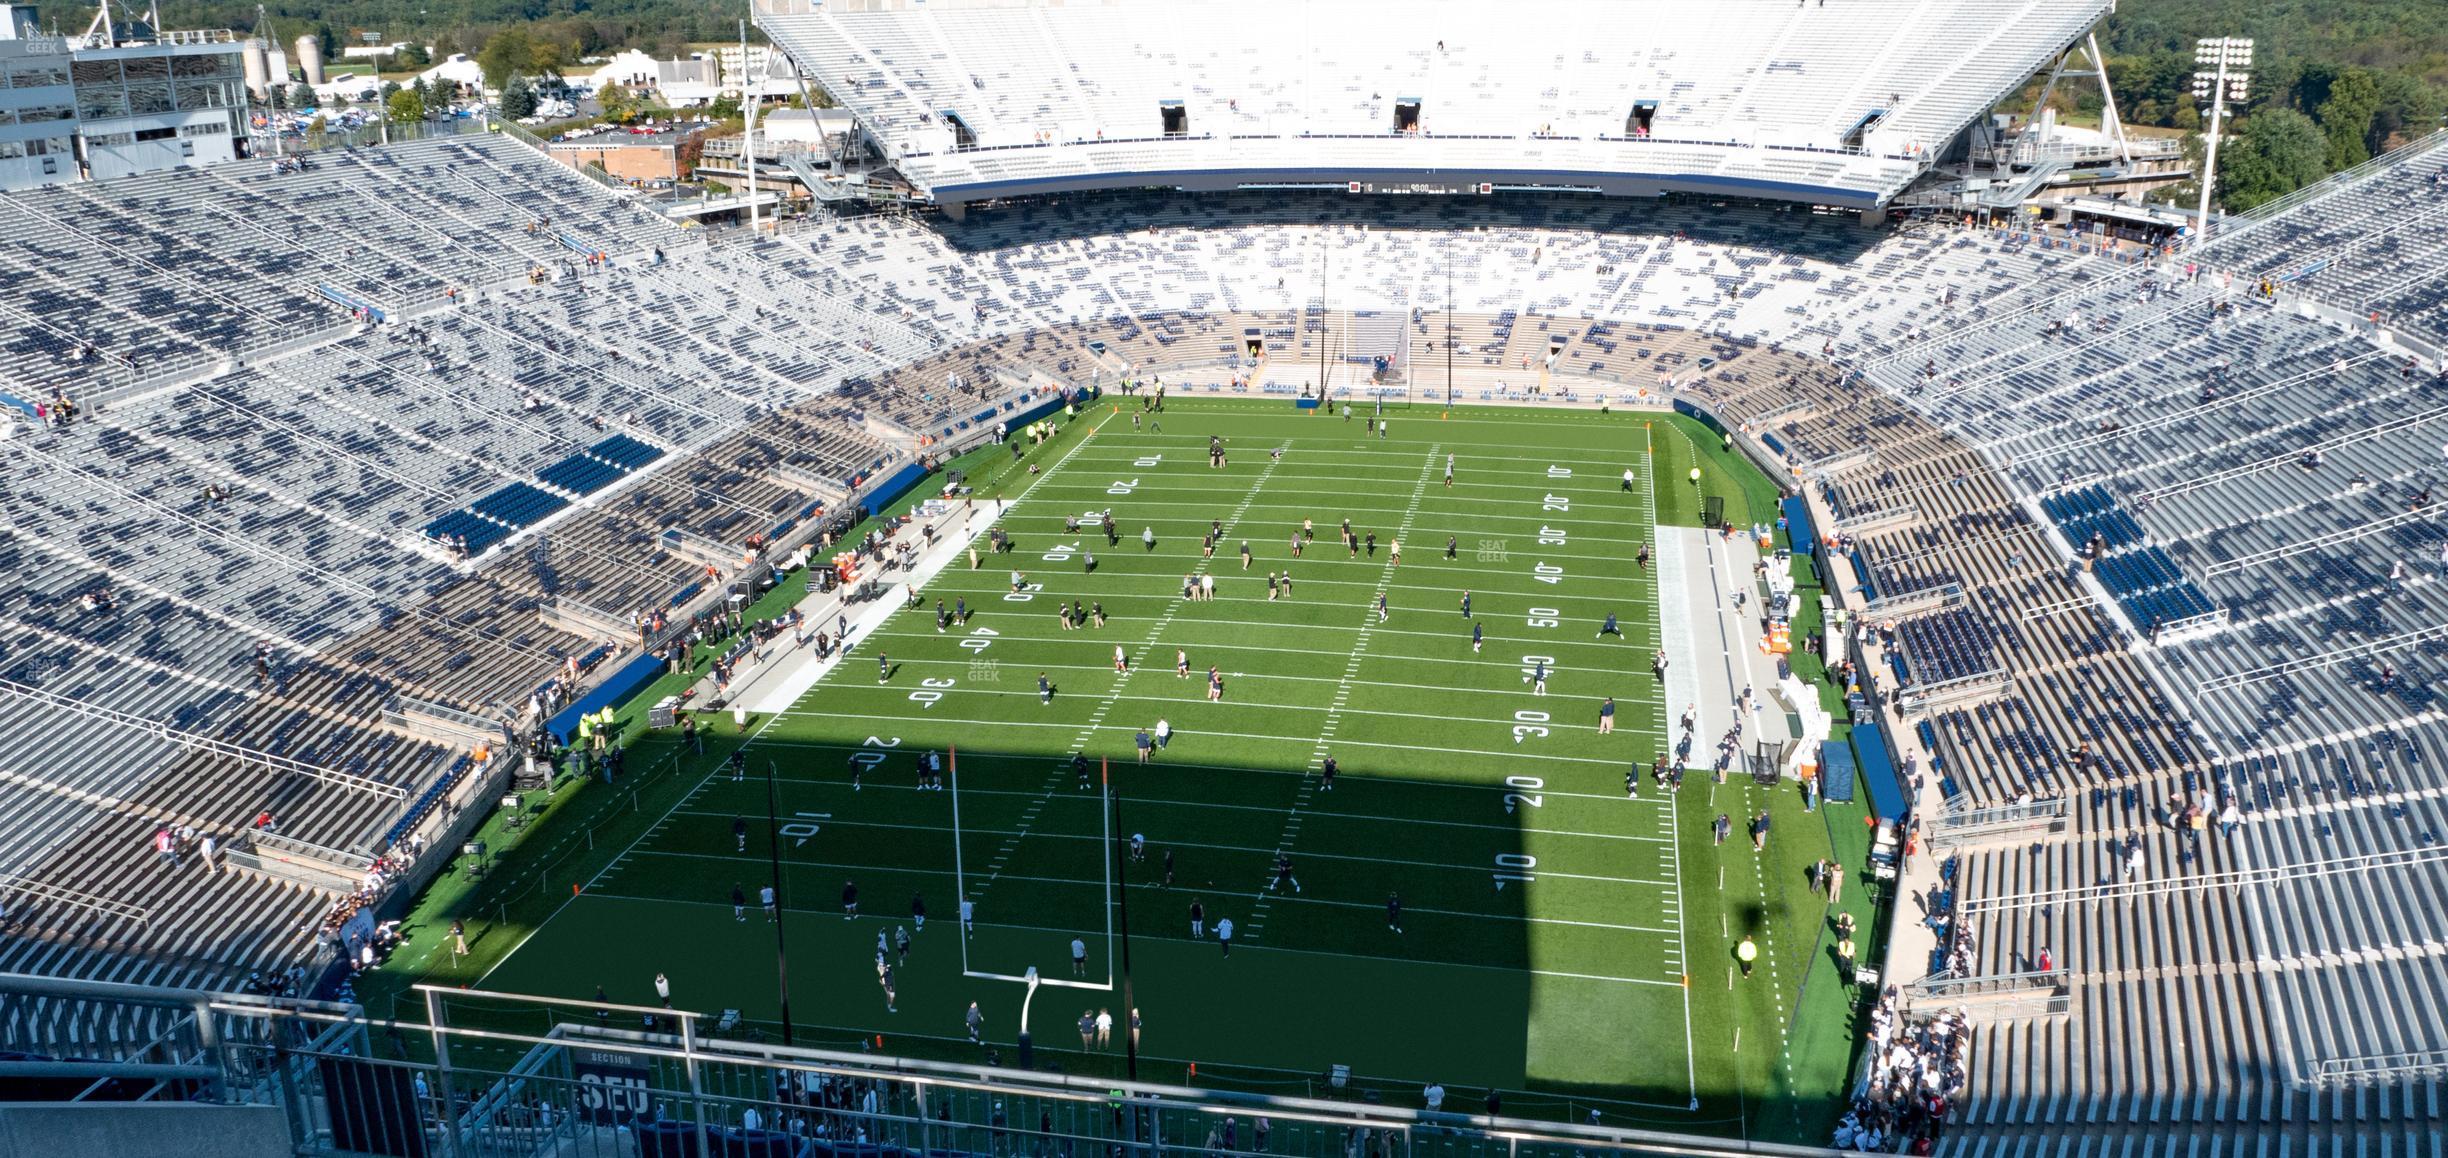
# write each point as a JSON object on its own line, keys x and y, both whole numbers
{"x": 406, "y": 105}
{"x": 725, "y": 107}
{"x": 2276, "y": 152}
{"x": 618, "y": 102}
{"x": 411, "y": 56}
{"x": 2346, "y": 118}
{"x": 437, "y": 94}
{"x": 2153, "y": 87}
{"x": 540, "y": 50}
{"x": 2407, "y": 106}
{"x": 303, "y": 97}
{"x": 518, "y": 98}
{"x": 507, "y": 52}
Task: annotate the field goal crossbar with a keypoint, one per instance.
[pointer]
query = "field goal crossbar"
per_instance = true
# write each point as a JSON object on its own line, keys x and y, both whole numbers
{"x": 960, "y": 884}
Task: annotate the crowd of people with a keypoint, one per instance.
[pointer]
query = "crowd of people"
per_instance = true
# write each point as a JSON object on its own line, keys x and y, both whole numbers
{"x": 1916, "y": 1074}
{"x": 361, "y": 951}
{"x": 59, "y": 409}
{"x": 2192, "y": 816}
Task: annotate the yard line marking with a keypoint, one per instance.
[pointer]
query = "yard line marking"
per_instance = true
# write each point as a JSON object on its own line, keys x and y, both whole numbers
{"x": 1310, "y": 630}
{"x": 1096, "y": 719}
{"x": 1270, "y": 678}
{"x": 1357, "y": 777}
{"x": 1162, "y": 583}
{"x": 1545, "y": 458}
{"x": 622, "y": 856}
{"x": 1294, "y": 510}
{"x": 1150, "y": 886}
{"x": 1248, "y": 848}
{"x": 1479, "y": 752}
{"x": 977, "y": 534}
{"x": 1332, "y": 707}
{"x": 1509, "y": 969}
{"x": 1369, "y": 617}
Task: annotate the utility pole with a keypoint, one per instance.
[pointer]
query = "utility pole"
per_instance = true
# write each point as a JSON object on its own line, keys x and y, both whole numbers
{"x": 1449, "y": 308}
{"x": 2225, "y": 63}
{"x": 748, "y": 112}
{"x": 1325, "y": 265}
{"x": 773, "y": 845}
{"x": 1130, "y": 1001}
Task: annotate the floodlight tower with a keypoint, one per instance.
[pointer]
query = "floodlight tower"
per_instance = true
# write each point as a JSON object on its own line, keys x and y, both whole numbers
{"x": 748, "y": 107}
{"x": 2226, "y": 71}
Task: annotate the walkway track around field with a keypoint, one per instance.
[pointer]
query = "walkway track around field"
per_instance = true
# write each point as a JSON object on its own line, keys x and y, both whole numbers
{"x": 1681, "y": 954}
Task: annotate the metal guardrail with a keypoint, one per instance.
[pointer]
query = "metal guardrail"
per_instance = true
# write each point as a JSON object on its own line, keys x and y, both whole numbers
{"x": 316, "y": 866}
{"x": 500, "y": 1074}
{"x": 1945, "y": 987}
{"x": 539, "y": 144}
{"x": 25, "y": 886}
{"x": 191, "y": 739}
{"x": 1862, "y": 521}
{"x": 2347, "y": 654}
{"x": 440, "y": 722}
{"x": 2203, "y": 882}
{"x": 2375, "y": 1069}
{"x": 2024, "y": 152}
{"x": 381, "y": 131}
{"x": 1956, "y": 824}
{"x": 2338, "y": 180}
{"x": 1932, "y": 693}
{"x": 1994, "y": 999}
{"x": 2053, "y": 808}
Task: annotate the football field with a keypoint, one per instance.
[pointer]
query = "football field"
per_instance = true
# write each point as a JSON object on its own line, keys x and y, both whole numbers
{"x": 1558, "y": 938}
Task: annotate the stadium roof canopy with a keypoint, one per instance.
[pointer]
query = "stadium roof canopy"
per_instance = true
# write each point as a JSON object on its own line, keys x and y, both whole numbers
{"x": 1837, "y": 102}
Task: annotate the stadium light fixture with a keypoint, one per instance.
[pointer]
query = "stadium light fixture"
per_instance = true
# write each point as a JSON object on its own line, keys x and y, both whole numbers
{"x": 2225, "y": 64}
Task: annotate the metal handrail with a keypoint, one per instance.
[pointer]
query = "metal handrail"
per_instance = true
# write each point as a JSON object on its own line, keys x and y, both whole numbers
{"x": 191, "y": 739}
{"x": 1944, "y": 985}
{"x": 48, "y": 890}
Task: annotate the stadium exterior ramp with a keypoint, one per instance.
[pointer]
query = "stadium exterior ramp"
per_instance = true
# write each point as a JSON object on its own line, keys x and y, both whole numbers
{"x": 1840, "y": 106}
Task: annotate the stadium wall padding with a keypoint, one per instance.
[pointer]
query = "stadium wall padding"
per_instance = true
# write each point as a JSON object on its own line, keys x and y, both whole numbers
{"x": 635, "y": 674}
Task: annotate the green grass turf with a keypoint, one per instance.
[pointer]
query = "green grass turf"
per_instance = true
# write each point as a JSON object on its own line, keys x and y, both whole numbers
{"x": 1569, "y": 988}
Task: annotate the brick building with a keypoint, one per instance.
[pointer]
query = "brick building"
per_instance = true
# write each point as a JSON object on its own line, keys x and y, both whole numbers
{"x": 637, "y": 155}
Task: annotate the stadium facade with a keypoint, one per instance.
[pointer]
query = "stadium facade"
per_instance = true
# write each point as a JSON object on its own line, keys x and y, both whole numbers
{"x": 1840, "y": 106}
{"x": 94, "y": 108}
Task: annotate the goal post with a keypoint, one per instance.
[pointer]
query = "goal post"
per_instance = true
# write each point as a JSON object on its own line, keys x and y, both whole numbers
{"x": 966, "y": 888}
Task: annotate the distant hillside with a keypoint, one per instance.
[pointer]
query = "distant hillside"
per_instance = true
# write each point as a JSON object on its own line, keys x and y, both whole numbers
{"x": 579, "y": 27}
{"x": 2334, "y": 82}
{"x": 2407, "y": 37}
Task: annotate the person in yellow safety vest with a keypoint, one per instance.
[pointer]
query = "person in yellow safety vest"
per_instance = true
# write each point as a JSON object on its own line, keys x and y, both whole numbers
{"x": 1695, "y": 476}
{"x": 586, "y": 731}
{"x": 1745, "y": 954}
